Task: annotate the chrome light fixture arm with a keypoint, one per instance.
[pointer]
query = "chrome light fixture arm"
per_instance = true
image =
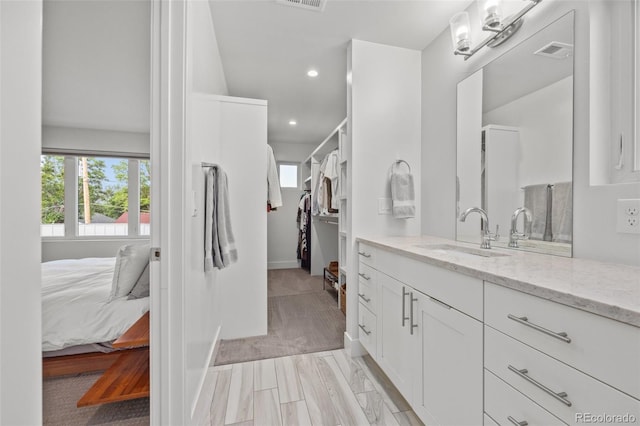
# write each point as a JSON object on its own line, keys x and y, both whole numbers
{"x": 501, "y": 32}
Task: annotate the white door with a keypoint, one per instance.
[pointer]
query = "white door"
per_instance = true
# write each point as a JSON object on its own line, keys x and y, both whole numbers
{"x": 448, "y": 385}
{"x": 395, "y": 341}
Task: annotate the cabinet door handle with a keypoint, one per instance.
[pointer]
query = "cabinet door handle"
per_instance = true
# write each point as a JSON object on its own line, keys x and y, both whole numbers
{"x": 404, "y": 309}
{"x": 362, "y": 296}
{"x": 364, "y": 329}
{"x": 514, "y": 422}
{"x": 560, "y": 396}
{"x": 364, "y": 253}
{"x": 525, "y": 321}
{"x": 365, "y": 276}
{"x": 413, "y": 299}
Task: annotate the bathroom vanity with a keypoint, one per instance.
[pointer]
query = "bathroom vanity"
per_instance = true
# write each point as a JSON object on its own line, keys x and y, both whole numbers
{"x": 472, "y": 336}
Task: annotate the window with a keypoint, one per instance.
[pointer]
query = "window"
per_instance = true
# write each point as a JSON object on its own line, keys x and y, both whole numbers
{"x": 52, "y": 213}
{"x": 288, "y": 175}
{"x": 90, "y": 196}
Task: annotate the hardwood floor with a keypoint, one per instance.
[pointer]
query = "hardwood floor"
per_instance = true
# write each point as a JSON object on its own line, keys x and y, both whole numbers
{"x": 322, "y": 388}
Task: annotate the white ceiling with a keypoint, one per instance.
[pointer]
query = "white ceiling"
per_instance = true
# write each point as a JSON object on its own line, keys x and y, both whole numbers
{"x": 267, "y": 48}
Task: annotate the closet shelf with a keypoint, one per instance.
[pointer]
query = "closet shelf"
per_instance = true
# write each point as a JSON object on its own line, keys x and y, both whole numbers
{"x": 343, "y": 162}
{"x": 343, "y": 271}
{"x": 307, "y": 179}
{"x": 324, "y": 147}
{"x": 343, "y": 234}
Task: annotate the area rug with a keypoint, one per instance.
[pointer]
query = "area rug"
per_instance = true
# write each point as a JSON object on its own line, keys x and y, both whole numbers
{"x": 302, "y": 318}
{"x": 61, "y": 394}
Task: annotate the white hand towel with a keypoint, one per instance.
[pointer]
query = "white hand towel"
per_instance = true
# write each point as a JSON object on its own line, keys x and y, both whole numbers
{"x": 403, "y": 195}
{"x": 209, "y": 219}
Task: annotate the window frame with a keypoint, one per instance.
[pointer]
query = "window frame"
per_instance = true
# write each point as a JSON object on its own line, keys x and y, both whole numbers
{"x": 71, "y": 202}
{"x": 289, "y": 163}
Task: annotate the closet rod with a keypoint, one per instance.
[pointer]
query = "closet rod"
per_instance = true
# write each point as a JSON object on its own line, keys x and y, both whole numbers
{"x": 203, "y": 164}
{"x": 330, "y": 222}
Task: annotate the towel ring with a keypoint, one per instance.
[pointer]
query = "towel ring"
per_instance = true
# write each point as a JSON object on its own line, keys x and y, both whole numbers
{"x": 403, "y": 161}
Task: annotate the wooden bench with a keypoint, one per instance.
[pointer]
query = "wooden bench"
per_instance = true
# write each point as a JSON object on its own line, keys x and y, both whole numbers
{"x": 128, "y": 377}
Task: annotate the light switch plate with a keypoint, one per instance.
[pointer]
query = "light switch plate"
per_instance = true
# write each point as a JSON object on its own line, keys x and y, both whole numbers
{"x": 628, "y": 216}
{"x": 384, "y": 205}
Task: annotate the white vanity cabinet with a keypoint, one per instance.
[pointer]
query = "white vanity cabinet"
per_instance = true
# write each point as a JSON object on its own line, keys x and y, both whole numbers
{"x": 567, "y": 361}
{"x": 396, "y": 340}
{"x": 449, "y": 386}
{"x": 430, "y": 350}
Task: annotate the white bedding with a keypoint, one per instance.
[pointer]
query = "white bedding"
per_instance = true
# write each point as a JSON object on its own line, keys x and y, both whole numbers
{"x": 75, "y": 310}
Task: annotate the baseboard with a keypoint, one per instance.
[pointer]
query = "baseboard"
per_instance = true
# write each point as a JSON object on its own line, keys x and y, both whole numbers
{"x": 353, "y": 346}
{"x": 283, "y": 264}
{"x": 197, "y": 403}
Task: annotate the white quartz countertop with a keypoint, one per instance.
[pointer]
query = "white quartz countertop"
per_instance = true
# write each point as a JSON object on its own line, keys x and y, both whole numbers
{"x": 606, "y": 289}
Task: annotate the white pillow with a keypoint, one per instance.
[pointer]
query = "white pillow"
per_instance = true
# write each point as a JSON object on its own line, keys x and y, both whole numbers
{"x": 130, "y": 263}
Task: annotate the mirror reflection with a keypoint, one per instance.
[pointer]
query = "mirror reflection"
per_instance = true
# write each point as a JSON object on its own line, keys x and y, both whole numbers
{"x": 515, "y": 146}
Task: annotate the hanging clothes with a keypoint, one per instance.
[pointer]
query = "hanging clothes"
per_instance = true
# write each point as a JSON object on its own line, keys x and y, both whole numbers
{"x": 326, "y": 189}
{"x": 304, "y": 231}
{"x": 274, "y": 196}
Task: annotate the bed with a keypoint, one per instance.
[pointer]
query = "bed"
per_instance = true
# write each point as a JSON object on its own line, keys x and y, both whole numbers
{"x": 84, "y": 310}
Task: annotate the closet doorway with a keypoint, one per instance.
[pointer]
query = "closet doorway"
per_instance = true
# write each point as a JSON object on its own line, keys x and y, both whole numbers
{"x": 95, "y": 224}
{"x": 304, "y": 313}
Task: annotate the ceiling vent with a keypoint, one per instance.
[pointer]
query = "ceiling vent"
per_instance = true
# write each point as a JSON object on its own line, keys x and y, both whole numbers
{"x": 556, "y": 50}
{"x": 315, "y": 5}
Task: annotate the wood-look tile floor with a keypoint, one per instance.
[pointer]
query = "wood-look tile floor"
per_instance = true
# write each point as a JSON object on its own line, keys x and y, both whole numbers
{"x": 319, "y": 389}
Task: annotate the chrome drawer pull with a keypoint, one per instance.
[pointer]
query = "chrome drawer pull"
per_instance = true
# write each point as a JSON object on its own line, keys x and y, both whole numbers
{"x": 364, "y": 298}
{"x": 364, "y": 253}
{"x": 560, "y": 396}
{"x": 365, "y": 276}
{"x": 404, "y": 309}
{"x": 364, "y": 329}
{"x": 413, "y": 299}
{"x": 524, "y": 321}
{"x": 514, "y": 422}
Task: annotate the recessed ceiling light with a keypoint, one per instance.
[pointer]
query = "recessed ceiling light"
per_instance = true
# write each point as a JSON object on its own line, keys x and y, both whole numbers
{"x": 312, "y": 73}
{"x": 292, "y": 122}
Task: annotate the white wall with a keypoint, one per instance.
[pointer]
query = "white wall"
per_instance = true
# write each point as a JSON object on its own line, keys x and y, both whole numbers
{"x": 594, "y": 206}
{"x": 282, "y": 230}
{"x": 96, "y": 64}
{"x": 20, "y": 119}
{"x": 203, "y": 293}
{"x": 384, "y": 124}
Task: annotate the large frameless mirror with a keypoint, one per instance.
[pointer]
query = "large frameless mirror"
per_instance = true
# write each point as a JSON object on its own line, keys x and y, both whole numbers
{"x": 515, "y": 144}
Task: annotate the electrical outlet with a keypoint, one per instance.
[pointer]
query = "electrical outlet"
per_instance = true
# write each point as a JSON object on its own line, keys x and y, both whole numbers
{"x": 628, "y": 216}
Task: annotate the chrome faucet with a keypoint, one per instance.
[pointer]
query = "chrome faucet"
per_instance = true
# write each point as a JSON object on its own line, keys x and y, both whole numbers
{"x": 514, "y": 235}
{"x": 486, "y": 236}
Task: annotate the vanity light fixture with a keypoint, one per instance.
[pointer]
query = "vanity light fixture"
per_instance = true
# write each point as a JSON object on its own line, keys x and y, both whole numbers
{"x": 490, "y": 12}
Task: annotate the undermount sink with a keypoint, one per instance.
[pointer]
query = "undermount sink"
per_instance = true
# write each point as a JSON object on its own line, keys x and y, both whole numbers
{"x": 449, "y": 248}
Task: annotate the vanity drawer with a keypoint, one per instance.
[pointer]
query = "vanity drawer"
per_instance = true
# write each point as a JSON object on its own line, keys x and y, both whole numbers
{"x": 367, "y": 329}
{"x": 462, "y": 292}
{"x": 538, "y": 376}
{"x": 366, "y": 274}
{"x": 502, "y": 402}
{"x": 367, "y": 293}
{"x": 366, "y": 254}
{"x": 603, "y": 348}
